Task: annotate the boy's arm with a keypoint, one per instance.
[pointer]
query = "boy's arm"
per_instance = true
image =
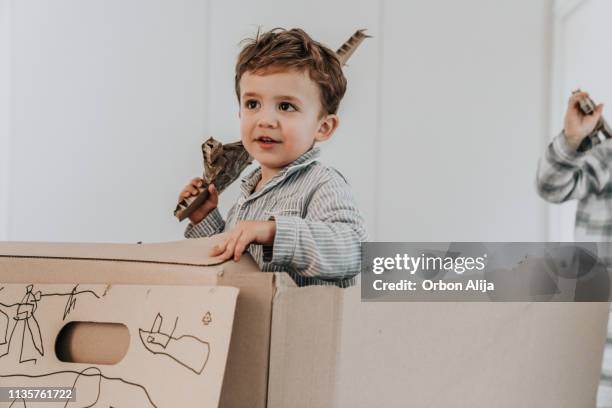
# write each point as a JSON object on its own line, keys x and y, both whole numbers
{"x": 212, "y": 224}
{"x": 565, "y": 174}
{"x": 327, "y": 243}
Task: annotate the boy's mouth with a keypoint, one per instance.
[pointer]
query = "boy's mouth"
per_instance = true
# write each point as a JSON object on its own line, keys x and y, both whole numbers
{"x": 265, "y": 140}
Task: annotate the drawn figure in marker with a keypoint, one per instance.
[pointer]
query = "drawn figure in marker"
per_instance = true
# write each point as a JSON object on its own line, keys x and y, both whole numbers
{"x": 25, "y": 324}
{"x": 21, "y": 321}
{"x": 8, "y": 322}
{"x": 187, "y": 350}
{"x": 4, "y": 326}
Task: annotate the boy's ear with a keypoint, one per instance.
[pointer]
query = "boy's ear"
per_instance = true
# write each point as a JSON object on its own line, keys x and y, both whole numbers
{"x": 327, "y": 127}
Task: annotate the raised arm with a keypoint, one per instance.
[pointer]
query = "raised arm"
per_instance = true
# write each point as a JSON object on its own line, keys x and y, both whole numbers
{"x": 563, "y": 172}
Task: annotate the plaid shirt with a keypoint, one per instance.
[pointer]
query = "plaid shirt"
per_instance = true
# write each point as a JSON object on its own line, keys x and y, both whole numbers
{"x": 564, "y": 174}
{"x": 319, "y": 228}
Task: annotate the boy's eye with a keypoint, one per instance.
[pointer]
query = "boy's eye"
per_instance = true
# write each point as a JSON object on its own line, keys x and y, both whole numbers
{"x": 251, "y": 104}
{"x": 286, "y": 106}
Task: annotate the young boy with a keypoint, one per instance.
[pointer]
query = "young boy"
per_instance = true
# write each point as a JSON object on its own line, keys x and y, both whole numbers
{"x": 565, "y": 174}
{"x": 294, "y": 214}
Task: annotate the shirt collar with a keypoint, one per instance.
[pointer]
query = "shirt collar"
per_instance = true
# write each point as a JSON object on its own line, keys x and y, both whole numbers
{"x": 250, "y": 180}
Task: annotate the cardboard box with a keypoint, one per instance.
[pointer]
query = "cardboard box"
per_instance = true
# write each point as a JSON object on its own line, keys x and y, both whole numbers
{"x": 323, "y": 347}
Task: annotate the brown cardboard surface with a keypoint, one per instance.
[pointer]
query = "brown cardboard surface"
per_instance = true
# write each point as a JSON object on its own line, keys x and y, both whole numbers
{"x": 178, "y": 342}
{"x": 325, "y": 348}
{"x": 186, "y": 252}
{"x": 304, "y": 346}
{"x": 329, "y": 349}
{"x": 438, "y": 354}
{"x": 173, "y": 263}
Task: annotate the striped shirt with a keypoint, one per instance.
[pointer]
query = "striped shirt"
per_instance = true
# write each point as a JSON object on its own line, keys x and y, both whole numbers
{"x": 319, "y": 228}
{"x": 564, "y": 174}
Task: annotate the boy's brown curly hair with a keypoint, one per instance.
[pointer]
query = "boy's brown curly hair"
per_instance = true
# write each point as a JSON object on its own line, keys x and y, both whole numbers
{"x": 294, "y": 49}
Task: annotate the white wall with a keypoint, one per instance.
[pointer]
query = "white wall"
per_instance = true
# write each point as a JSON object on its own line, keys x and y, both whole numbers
{"x": 464, "y": 104}
{"x": 441, "y": 126}
{"x": 108, "y": 109}
{"x": 5, "y": 98}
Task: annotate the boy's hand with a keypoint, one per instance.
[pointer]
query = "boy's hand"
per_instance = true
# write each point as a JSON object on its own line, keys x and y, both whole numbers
{"x": 193, "y": 189}
{"x": 239, "y": 237}
{"x": 577, "y": 124}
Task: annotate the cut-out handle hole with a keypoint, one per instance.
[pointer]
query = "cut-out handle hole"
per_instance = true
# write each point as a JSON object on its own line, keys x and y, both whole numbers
{"x": 92, "y": 343}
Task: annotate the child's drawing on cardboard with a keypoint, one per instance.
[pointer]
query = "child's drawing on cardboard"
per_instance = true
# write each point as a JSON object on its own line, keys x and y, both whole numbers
{"x": 187, "y": 350}
{"x": 22, "y": 326}
{"x": 178, "y": 342}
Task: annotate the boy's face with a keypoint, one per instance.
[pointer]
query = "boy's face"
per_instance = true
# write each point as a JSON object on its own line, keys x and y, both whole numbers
{"x": 280, "y": 116}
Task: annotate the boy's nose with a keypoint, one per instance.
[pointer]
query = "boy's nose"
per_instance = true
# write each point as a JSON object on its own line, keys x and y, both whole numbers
{"x": 267, "y": 120}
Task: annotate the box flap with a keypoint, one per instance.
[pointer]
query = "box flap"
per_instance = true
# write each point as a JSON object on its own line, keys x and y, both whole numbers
{"x": 178, "y": 342}
{"x": 184, "y": 252}
{"x": 173, "y": 263}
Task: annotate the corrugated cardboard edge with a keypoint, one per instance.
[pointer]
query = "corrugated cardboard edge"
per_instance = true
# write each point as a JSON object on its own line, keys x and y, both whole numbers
{"x": 192, "y": 252}
{"x": 306, "y": 327}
